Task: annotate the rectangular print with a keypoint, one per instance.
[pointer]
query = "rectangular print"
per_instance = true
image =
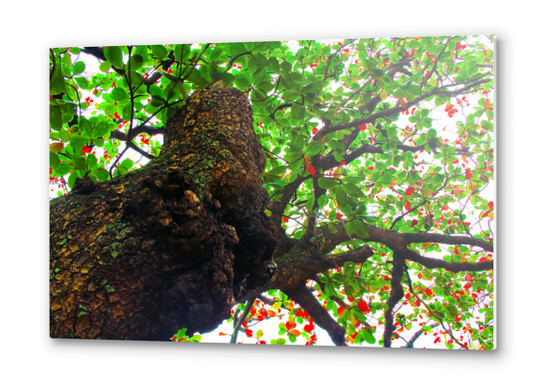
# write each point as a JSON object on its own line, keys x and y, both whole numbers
{"x": 302, "y": 192}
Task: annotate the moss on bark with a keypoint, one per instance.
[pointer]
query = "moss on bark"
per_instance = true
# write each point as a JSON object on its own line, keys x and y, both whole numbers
{"x": 171, "y": 245}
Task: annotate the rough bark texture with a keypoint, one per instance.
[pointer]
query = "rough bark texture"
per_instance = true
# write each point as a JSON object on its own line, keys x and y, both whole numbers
{"x": 171, "y": 245}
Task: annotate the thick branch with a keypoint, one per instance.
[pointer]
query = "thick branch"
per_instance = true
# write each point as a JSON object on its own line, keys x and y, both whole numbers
{"x": 426, "y": 237}
{"x": 298, "y": 265}
{"x": 396, "y": 294}
{"x": 430, "y": 262}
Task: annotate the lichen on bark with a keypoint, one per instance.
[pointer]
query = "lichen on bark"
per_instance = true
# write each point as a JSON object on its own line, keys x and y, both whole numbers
{"x": 173, "y": 244}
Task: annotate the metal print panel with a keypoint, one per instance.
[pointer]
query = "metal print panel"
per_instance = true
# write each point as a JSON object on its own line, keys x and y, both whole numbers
{"x": 307, "y": 192}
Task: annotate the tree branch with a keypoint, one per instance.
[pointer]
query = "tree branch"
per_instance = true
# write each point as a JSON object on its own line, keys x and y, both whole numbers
{"x": 301, "y": 295}
{"x": 410, "y": 343}
{"x": 241, "y": 320}
{"x": 98, "y": 53}
{"x": 427, "y": 237}
{"x": 148, "y": 129}
{"x": 396, "y": 294}
{"x": 430, "y": 262}
{"x": 392, "y": 111}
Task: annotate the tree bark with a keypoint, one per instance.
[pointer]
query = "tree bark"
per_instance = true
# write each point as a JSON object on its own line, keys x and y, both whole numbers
{"x": 171, "y": 245}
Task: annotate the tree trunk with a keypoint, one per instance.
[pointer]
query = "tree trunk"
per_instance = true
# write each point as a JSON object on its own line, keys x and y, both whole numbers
{"x": 173, "y": 244}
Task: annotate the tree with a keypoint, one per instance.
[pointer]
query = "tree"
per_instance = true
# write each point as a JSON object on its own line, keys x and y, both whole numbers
{"x": 307, "y": 177}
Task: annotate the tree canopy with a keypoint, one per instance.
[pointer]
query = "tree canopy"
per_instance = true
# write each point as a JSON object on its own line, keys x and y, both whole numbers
{"x": 379, "y": 170}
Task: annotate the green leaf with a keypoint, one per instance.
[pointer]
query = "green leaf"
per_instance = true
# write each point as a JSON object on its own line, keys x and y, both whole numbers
{"x": 81, "y": 81}
{"x": 368, "y": 337}
{"x": 159, "y": 51}
{"x": 412, "y": 92}
{"x": 342, "y": 200}
{"x": 354, "y": 179}
{"x": 195, "y": 339}
{"x": 205, "y": 71}
{"x": 277, "y": 170}
{"x": 314, "y": 148}
{"x": 57, "y": 84}
{"x": 257, "y": 95}
{"x": 155, "y": 90}
{"x": 128, "y": 163}
{"x": 80, "y": 164}
{"x": 55, "y": 118}
{"x": 136, "y": 62}
{"x": 182, "y": 51}
{"x": 310, "y": 203}
{"x": 54, "y": 161}
{"x": 257, "y": 60}
{"x": 215, "y": 54}
{"x": 119, "y": 94}
{"x": 314, "y": 87}
{"x": 78, "y": 141}
{"x": 352, "y": 190}
{"x": 105, "y": 66}
{"x": 241, "y": 82}
{"x": 274, "y": 65}
{"x": 102, "y": 174}
{"x": 64, "y": 136}
{"x": 91, "y": 161}
{"x": 78, "y": 68}
{"x": 357, "y": 227}
{"x": 100, "y": 130}
{"x": 63, "y": 169}
{"x": 85, "y": 126}
{"x": 327, "y": 183}
{"x": 298, "y": 112}
{"x": 292, "y": 337}
{"x": 114, "y": 56}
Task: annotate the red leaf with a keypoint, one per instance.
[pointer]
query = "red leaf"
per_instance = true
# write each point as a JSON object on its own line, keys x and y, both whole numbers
{"x": 363, "y": 127}
{"x": 409, "y": 191}
{"x": 407, "y": 206}
{"x": 429, "y": 292}
{"x": 363, "y": 307}
{"x": 456, "y": 250}
{"x": 308, "y": 328}
{"x": 288, "y": 325}
{"x": 310, "y": 168}
{"x": 490, "y": 205}
{"x": 314, "y": 130}
{"x": 249, "y": 332}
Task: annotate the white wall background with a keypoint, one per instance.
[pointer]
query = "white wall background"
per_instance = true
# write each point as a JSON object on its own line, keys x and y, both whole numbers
{"x": 29, "y": 29}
